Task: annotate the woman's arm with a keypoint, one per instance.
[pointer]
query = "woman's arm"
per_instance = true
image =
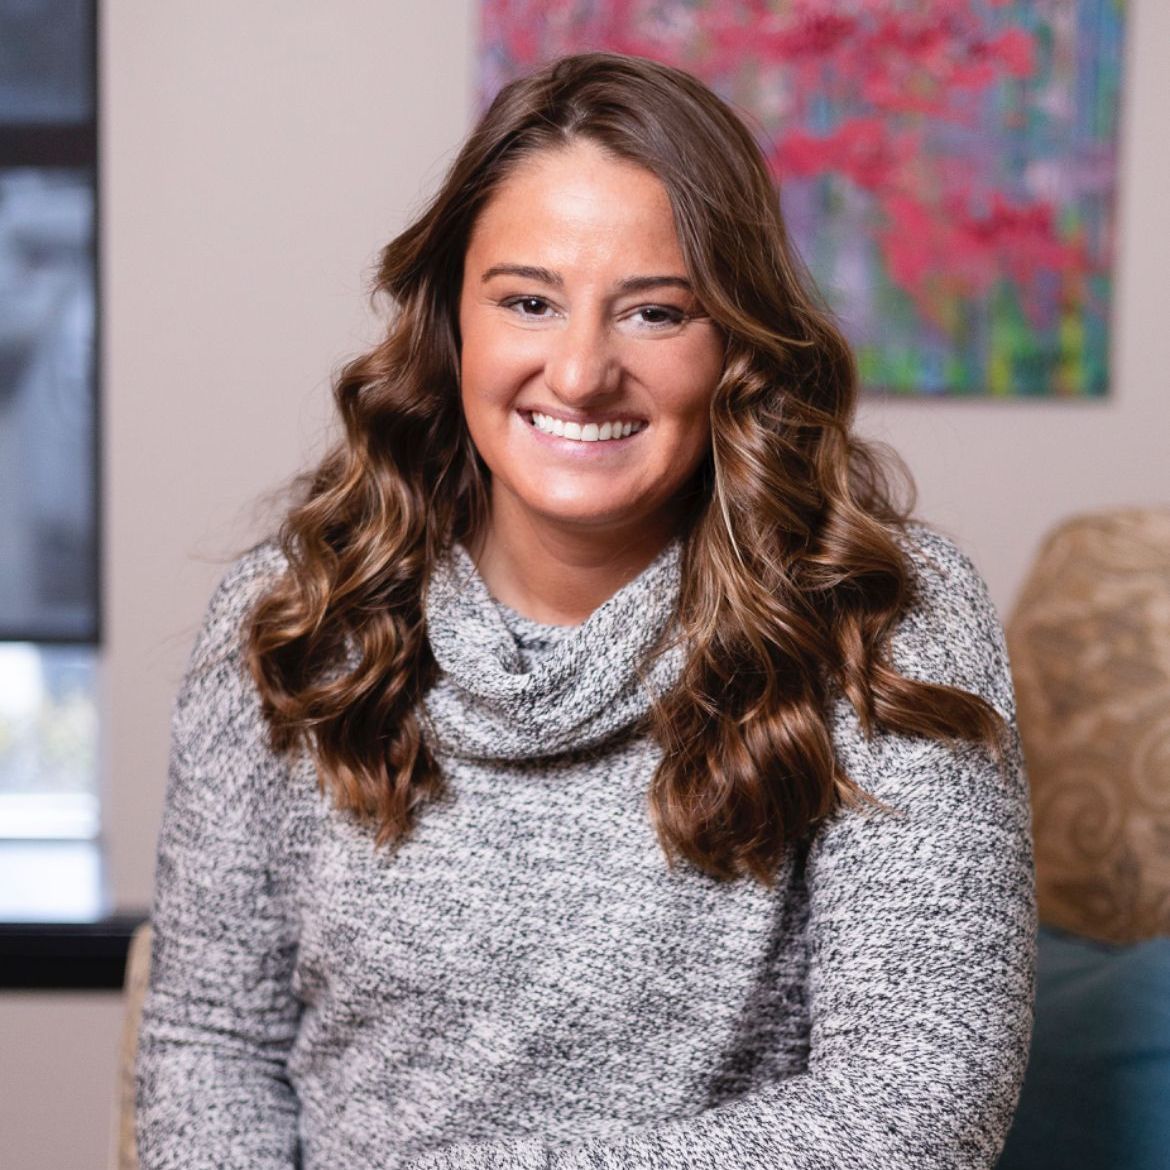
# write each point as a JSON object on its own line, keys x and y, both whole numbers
{"x": 219, "y": 1015}
{"x": 922, "y": 933}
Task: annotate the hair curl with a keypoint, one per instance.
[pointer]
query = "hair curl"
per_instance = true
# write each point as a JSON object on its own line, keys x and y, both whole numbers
{"x": 793, "y": 576}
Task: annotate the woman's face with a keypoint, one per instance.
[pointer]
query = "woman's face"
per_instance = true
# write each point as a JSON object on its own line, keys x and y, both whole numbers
{"x": 587, "y": 367}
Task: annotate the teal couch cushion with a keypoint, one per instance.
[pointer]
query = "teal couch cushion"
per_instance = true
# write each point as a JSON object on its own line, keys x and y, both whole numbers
{"x": 1097, "y": 1090}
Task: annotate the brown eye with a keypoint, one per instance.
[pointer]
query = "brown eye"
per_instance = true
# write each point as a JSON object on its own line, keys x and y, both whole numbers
{"x": 658, "y": 318}
{"x": 525, "y": 303}
{"x": 661, "y": 316}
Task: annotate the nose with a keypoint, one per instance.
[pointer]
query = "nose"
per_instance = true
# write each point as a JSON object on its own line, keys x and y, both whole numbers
{"x": 583, "y": 361}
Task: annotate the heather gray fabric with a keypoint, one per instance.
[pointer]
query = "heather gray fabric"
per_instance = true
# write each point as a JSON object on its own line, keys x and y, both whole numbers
{"x": 525, "y": 982}
{"x": 533, "y": 639}
{"x": 584, "y": 691}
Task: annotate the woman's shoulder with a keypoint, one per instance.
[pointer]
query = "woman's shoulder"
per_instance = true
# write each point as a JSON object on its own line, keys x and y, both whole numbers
{"x": 240, "y": 586}
{"x": 244, "y": 577}
{"x": 943, "y": 572}
{"x": 950, "y": 631}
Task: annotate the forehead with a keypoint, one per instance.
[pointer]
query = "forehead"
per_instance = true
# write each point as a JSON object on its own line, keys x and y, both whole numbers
{"x": 578, "y": 198}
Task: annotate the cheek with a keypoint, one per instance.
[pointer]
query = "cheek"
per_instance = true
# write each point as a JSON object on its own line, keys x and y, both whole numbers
{"x": 686, "y": 386}
{"x": 689, "y": 446}
{"x": 493, "y": 366}
{"x": 689, "y": 405}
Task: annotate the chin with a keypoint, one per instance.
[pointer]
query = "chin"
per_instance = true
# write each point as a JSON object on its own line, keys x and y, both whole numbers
{"x": 585, "y": 513}
{"x": 588, "y": 518}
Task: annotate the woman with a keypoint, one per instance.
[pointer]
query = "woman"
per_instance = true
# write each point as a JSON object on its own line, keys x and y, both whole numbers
{"x": 600, "y": 770}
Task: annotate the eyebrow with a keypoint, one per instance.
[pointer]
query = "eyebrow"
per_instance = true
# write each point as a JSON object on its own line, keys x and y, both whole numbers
{"x": 547, "y": 276}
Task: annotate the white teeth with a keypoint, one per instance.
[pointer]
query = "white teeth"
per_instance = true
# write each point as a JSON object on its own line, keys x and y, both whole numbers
{"x": 589, "y": 433}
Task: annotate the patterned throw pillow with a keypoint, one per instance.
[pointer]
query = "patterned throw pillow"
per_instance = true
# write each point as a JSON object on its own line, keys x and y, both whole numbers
{"x": 1090, "y": 650}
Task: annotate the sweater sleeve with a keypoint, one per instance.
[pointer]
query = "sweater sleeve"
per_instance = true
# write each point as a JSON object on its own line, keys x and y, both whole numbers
{"x": 219, "y": 1014}
{"x": 922, "y": 934}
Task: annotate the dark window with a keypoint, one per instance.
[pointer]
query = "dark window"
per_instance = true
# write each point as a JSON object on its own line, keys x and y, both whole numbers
{"x": 49, "y": 554}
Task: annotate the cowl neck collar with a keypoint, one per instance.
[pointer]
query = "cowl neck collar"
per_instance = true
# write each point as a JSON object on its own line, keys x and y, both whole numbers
{"x": 584, "y": 690}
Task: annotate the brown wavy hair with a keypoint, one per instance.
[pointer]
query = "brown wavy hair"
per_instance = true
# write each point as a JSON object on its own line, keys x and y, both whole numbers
{"x": 793, "y": 575}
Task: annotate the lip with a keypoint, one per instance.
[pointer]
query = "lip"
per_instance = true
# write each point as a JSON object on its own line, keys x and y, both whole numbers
{"x": 574, "y": 448}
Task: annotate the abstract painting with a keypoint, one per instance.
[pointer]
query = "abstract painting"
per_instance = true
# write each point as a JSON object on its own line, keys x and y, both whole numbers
{"x": 947, "y": 168}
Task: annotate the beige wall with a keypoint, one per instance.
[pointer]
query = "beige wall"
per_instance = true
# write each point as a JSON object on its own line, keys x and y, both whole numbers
{"x": 58, "y": 1066}
{"x": 255, "y": 156}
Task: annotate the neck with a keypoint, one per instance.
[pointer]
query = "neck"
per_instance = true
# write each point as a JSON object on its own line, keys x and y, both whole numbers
{"x": 559, "y": 574}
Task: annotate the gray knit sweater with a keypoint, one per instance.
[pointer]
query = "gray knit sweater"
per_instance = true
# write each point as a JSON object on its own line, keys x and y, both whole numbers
{"x": 526, "y": 983}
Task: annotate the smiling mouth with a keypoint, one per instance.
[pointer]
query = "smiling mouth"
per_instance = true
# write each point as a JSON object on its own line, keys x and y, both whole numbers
{"x": 590, "y": 432}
